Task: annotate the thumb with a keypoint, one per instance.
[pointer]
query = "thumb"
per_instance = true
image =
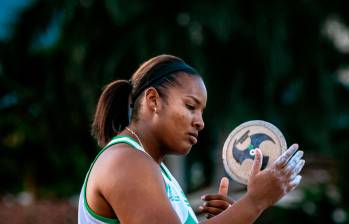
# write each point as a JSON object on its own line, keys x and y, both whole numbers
{"x": 224, "y": 186}
{"x": 257, "y": 163}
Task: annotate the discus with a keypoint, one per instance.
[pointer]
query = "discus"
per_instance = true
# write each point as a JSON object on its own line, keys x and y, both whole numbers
{"x": 239, "y": 148}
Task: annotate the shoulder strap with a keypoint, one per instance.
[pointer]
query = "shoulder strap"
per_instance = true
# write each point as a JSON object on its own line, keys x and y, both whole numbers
{"x": 128, "y": 140}
{"x": 124, "y": 139}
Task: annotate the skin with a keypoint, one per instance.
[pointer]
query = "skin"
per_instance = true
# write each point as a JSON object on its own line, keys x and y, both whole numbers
{"x": 216, "y": 203}
{"x": 127, "y": 183}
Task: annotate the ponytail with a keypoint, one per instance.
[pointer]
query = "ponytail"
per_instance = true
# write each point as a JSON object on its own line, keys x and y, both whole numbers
{"x": 111, "y": 114}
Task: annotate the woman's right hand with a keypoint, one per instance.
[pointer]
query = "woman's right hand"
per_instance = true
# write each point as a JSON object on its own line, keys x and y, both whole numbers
{"x": 266, "y": 187}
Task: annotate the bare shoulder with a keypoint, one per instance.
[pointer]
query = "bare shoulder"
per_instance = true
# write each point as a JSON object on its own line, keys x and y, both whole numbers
{"x": 130, "y": 180}
{"x": 120, "y": 162}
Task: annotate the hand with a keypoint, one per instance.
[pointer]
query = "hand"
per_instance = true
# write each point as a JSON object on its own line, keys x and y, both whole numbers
{"x": 216, "y": 203}
{"x": 268, "y": 186}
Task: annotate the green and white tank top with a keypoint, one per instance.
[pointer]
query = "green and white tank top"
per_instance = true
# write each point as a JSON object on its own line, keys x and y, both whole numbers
{"x": 174, "y": 192}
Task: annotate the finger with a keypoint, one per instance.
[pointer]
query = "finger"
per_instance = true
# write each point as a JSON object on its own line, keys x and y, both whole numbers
{"x": 217, "y": 197}
{"x": 217, "y": 204}
{"x": 212, "y": 210}
{"x": 224, "y": 186}
{"x": 257, "y": 163}
{"x": 294, "y": 183}
{"x": 296, "y": 157}
{"x": 205, "y": 209}
{"x": 282, "y": 160}
{"x": 297, "y": 169}
{"x": 201, "y": 209}
{"x": 211, "y": 197}
{"x": 292, "y": 164}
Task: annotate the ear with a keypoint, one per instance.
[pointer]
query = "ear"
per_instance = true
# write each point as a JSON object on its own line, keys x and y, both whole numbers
{"x": 152, "y": 99}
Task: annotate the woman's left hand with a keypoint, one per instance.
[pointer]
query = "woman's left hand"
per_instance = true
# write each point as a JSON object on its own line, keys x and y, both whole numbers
{"x": 216, "y": 203}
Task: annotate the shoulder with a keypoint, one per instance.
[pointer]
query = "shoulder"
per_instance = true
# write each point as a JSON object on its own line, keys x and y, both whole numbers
{"x": 122, "y": 160}
{"x": 130, "y": 180}
{"x": 123, "y": 168}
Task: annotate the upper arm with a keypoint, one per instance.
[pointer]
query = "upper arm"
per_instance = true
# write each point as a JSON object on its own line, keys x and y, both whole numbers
{"x": 133, "y": 186}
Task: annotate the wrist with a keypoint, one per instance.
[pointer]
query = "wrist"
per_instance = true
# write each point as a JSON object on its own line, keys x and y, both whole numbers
{"x": 255, "y": 205}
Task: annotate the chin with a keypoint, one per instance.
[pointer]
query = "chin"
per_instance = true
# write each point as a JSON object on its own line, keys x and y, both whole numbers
{"x": 184, "y": 150}
{"x": 180, "y": 148}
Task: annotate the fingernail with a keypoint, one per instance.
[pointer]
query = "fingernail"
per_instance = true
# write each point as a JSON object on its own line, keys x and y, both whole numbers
{"x": 260, "y": 153}
{"x": 203, "y": 197}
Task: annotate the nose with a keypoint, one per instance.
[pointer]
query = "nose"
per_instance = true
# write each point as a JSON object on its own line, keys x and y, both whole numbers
{"x": 199, "y": 122}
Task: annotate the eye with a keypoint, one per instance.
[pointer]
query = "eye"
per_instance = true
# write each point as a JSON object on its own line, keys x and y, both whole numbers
{"x": 190, "y": 107}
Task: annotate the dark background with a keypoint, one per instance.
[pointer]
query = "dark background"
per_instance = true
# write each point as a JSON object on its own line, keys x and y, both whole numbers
{"x": 286, "y": 62}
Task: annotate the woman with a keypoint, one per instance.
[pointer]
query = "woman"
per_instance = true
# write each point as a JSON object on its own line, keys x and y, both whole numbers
{"x": 159, "y": 112}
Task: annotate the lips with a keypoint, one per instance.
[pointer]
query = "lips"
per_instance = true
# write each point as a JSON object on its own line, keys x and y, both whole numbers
{"x": 193, "y": 138}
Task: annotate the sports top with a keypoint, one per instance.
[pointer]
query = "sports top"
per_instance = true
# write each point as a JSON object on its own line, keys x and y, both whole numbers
{"x": 174, "y": 192}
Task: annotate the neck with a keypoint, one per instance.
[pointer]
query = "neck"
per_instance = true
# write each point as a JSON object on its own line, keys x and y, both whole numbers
{"x": 146, "y": 139}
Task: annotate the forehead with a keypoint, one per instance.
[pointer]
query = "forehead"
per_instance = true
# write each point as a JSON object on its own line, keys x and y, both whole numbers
{"x": 190, "y": 85}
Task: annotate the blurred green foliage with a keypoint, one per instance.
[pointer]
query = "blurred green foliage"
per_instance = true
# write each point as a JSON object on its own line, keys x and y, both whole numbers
{"x": 260, "y": 60}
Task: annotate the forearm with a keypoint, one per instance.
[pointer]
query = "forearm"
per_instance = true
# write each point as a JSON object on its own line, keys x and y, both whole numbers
{"x": 243, "y": 211}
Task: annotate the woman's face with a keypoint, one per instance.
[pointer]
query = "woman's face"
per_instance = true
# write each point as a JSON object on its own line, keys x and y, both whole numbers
{"x": 180, "y": 117}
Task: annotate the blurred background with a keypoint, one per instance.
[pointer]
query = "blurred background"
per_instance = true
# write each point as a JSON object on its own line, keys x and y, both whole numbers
{"x": 286, "y": 62}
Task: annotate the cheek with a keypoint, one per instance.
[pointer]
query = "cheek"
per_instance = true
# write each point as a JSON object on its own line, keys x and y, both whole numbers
{"x": 175, "y": 124}
{"x": 181, "y": 118}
